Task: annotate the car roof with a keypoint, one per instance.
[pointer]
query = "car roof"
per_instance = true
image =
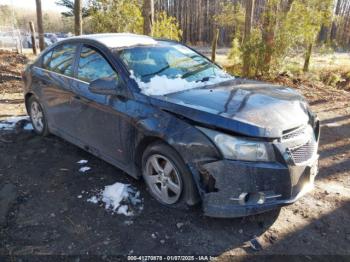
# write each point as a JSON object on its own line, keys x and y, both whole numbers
{"x": 119, "y": 40}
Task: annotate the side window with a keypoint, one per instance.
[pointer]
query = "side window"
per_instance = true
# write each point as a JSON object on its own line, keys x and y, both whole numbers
{"x": 62, "y": 59}
{"x": 93, "y": 66}
{"x": 46, "y": 60}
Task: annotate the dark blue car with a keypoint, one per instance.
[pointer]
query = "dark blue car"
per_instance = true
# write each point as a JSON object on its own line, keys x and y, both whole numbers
{"x": 159, "y": 110}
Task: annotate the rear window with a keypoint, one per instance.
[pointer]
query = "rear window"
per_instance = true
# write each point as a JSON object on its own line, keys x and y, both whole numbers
{"x": 46, "y": 60}
{"x": 61, "y": 59}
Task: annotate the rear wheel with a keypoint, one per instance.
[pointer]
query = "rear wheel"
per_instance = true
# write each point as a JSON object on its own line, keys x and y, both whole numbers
{"x": 37, "y": 117}
{"x": 165, "y": 174}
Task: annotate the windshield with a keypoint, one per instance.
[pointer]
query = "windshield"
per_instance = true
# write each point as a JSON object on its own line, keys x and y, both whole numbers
{"x": 170, "y": 64}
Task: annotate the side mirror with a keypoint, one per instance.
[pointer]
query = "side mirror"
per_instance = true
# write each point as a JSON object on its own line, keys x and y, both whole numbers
{"x": 105, "y": 86}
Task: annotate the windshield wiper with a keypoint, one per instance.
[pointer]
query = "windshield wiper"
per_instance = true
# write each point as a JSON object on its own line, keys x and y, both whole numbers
{"x": 204, "y": 79}
{"x": 157, "y": 72}
{"x": 206, "y": 66}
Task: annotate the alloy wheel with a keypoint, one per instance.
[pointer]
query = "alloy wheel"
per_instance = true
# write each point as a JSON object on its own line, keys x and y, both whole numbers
{"x": 163, "y": 179}
{"x": 37, "y": 116}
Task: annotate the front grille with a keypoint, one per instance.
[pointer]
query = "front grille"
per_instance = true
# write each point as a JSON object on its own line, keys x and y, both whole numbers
{"x": 295, "y": 133}
{"x": 303, "y": 153}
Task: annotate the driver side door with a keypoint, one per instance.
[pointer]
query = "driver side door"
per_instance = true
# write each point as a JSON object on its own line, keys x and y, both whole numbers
{"x": 100, "y": 121}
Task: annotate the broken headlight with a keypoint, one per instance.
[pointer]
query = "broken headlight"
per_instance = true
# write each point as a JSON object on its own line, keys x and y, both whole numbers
{"x": 237, "y": 148}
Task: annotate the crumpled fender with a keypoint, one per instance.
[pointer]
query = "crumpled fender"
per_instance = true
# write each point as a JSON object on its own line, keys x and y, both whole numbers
{"x": 189, "y": 142}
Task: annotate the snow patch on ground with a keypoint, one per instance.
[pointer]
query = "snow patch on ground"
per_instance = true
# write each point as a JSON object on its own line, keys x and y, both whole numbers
{"x": 333, "y": 125}
{"x": 28, "y": 127}
{"x": 82, "y": 162}
{"x": 93, "y": 200}
{"x": 119, "y": 198}
{"x": 84, "y": 169}
{"x": 10, "y": 123}
{"x": 162, "y": 85}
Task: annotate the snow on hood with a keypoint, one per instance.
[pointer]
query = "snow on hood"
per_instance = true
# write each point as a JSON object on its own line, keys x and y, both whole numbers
{"x": 119, "y": 198}
{"x": 162, "y": 85}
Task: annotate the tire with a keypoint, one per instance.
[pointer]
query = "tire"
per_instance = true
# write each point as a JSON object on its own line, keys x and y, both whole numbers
{"x": 38, "y": 117}
{"x": 168, "y": 182}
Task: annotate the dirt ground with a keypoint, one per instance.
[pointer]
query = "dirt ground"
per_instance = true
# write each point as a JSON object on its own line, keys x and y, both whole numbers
{"x": 43, "y": 197}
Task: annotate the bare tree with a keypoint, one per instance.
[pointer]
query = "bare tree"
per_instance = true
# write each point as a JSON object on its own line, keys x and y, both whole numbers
{"x": 78, "y": 21}
{"x": 32, "y": 30}
{"x": 249, "y": 16}
{"x": 214, "y": 45}
{"x": 308, "y": 58}
{"x": 39, "y": 17}
{"x": 196, "y": 19}
{"x": 269, "y": 27}
{"x": 148, "y": 15}
{"x": 337, "y": 12}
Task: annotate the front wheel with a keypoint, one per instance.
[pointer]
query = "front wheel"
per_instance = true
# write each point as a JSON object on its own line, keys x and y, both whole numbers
{"x": 165, "y": 174}
{"x": 37, "y": 117}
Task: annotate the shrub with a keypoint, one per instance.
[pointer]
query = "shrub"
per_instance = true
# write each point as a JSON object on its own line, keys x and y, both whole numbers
{"x": 235, "y": 53}
{"x": 116, "y": 16}
{"x": 166, "y": 27}
{"x": 332, "y": 79}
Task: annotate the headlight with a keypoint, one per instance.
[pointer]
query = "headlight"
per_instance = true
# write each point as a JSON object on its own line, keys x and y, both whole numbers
{"x": 240, "y": 149}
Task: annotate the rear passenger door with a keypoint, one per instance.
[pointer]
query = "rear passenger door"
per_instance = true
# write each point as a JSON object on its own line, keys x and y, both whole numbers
{"x": 56, "y": 91}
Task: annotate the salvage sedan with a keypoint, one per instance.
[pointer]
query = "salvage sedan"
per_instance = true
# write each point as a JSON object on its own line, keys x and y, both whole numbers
{"x": 160, "y": 111}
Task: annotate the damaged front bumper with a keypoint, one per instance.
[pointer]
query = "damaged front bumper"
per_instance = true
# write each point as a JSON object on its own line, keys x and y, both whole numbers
{"x": 237, "y": 189}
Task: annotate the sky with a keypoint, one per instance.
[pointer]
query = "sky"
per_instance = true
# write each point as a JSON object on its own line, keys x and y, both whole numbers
{"x": 46, "y": 5}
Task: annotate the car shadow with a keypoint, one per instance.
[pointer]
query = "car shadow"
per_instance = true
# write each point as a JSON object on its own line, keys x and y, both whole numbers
{"x": 54, "y": 216}
{"x": 334, "y": 149}
{"x": 325, "y": 247}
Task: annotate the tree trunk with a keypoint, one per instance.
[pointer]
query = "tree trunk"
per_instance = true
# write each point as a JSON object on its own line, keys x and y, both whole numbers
{"x": 307, "y": 58}
{"x": 249, "y": 16}
{"x": 288, "y": 6}
{"x": 78, "y": 23}
{"x": 201, "y": 21}
{"x": 188, "y": 21}
{"x": 148, "y": 16}
{"x": 32, "y": 30}
{"x": 39, "y": 17}
{"x": 269, "y": 25}
{"x": 269, "y": 33}
{"x": 334, "y": 28}
{"x": 214, "y": 45}
{"x": 323, "y": 35}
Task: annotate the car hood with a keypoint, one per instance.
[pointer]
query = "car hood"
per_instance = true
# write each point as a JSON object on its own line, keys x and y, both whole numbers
{"x": 246, "y": 107}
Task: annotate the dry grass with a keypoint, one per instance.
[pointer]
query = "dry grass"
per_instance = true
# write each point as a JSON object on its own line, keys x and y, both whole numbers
{"x": 319, "y": 62}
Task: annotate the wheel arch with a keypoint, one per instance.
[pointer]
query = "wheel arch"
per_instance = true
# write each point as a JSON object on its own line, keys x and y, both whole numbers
{"x": 26, "y": 100}
{"x": 192, "y": 196}
{"x": 191, "y": 145}
{"x": 143, "y": 144}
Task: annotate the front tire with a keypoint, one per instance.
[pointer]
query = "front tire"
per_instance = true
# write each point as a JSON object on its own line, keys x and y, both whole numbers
{"x": 165, "y": 174}
{"x": 37, "y": 116}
